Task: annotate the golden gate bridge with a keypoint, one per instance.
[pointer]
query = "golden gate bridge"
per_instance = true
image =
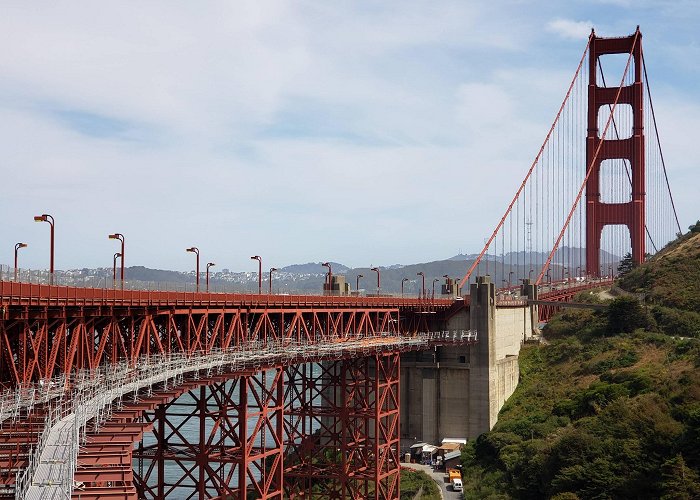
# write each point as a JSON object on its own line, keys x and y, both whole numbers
{"x": 297, "y": 396}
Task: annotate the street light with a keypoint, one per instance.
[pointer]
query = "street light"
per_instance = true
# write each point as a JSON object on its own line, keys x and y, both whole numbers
{"x": 195, "y": 250}
{"x": 510, "y": 278}
{"x": 209, "y": 264}
{"x": 17, "y": 247}
{"x": 50, "y": 220}
{"x": 379, "y": 274}
{"x": 435, "y": 281}
{"x": 271, "y": 270}
{"x": 563, "y": 272}
{"x": 529, "y": 275}
{"x": 402, "y": 282}
{"x": 423, "y": 286}
{"x": 357, "y": 281}
{"x": 259, "y": 259}
{"x": 114, "y": 269}
{"x": 120, "y": 237}
{"x": 329, "y": 275}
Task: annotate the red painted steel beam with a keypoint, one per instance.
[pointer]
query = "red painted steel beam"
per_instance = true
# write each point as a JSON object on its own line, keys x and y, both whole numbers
{"x": 34, "y": 294}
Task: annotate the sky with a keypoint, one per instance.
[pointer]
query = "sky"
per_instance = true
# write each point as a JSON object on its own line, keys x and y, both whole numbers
{"x": 366, "y": 133}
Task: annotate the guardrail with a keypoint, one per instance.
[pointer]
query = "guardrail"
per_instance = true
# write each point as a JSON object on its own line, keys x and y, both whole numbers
{"x": 68, "y": 278}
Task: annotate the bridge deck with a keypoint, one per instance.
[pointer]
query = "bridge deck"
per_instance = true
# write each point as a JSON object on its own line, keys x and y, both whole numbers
{"x": 12, "y": 293}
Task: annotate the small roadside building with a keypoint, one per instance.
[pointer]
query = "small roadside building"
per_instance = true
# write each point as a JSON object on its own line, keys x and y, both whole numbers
{"x": 417, "y": 452}
{"x": 452, "y": 459}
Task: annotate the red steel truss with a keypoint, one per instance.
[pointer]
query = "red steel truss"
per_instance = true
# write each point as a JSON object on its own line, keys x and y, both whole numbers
{"x": 322, "y": 431}
{"x": 342, "y": 429}
{"x": 221, "y": 440}
{"x": 564, "y": 293}
{"x": 263, "y": 432}
{"x": 51, "y": 331}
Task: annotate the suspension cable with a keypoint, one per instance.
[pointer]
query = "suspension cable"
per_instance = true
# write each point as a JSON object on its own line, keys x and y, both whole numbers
{"x": 658, "y": 141}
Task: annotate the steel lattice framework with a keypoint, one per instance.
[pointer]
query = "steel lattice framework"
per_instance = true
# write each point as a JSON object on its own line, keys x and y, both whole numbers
{"x": 267, "y": 431}
{"x": 50, "y": 331}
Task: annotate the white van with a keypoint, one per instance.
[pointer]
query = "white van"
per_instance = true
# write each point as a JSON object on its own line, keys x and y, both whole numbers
{"x": 457, "y": 485}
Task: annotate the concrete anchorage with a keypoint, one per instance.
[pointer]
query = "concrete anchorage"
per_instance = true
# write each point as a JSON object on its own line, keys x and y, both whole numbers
{"x": 458, "y": 391}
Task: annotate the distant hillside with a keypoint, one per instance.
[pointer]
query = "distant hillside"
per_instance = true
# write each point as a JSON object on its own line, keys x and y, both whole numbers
{"x": 314, "y": 268}
{"x": 142, "y": 273}
{"x": 573, "y": 256}
{"x": 609, "y": 406}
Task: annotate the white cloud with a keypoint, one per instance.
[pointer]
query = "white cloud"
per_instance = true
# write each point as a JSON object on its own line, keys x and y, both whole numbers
{"x": 296, "y": 130}
{"x": 572, "y": 30}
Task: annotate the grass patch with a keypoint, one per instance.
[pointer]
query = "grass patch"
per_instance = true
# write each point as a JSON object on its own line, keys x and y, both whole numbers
{"x": 413, "y": 482}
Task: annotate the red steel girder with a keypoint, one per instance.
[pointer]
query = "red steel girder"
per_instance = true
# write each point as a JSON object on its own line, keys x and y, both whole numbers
{"x": 78, "y": 339}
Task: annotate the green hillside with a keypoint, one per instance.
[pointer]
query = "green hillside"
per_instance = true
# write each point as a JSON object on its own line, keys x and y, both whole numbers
{"x": 671, "y": 278}
{"x": 609, "y": 405}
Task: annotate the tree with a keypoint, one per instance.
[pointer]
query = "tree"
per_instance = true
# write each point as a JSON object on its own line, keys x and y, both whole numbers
{"x": 625, "y": 314}
{"x": 695, "y": 228}
{"x": 625, "y": 265}
{"x": 678, "y": 481}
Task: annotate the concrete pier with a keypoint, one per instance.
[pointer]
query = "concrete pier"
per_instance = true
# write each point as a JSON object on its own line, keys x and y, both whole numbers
{"x": 458, "y": 392}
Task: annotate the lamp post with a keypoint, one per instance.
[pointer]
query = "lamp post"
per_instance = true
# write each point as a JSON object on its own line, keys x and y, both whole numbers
{"x": 447, "y": 282}
{"x": 529, "y": 275}
{"x": 120, "y": 237}
{"x": 402, "y": 282}
{"x": 50, "y": 220}
{"x": 17, "y": 247}
{"x": 114, "y": 269}
{"x": 422, "y": 275}
{"x": 610, "y": 271}
{"x": 259, "y": 259}
{"x": 435, "y": 281}
{"x": 209, "y": 264}
{"x": 563, "y": 272}
{"x": 271, "y": 271}
{"x": 329, "y": 275}
{"x": 578, "y": 272}
{"x": 510, "y": 278}
{"x": 195, "y": 251}
{"x": 379, "y": 276}
{"x": 357, "y": 281}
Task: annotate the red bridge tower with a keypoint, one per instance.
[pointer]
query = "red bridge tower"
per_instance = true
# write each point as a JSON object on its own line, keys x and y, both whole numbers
{"x": 631, "y": 213}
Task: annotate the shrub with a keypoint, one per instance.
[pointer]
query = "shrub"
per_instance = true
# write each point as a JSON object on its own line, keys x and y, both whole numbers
{"x": 677, "y": 322}
{"x": 625, "y": 315}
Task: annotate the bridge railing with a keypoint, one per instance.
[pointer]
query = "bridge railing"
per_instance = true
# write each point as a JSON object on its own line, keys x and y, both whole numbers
{"x": 72, "y": 279}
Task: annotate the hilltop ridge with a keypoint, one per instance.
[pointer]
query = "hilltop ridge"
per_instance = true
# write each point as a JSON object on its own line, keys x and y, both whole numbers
{"x": 671, "y": 277}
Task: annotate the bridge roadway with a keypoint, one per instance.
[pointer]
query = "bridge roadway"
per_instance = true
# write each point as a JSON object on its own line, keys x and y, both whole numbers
{"x": 49, "y": 335}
